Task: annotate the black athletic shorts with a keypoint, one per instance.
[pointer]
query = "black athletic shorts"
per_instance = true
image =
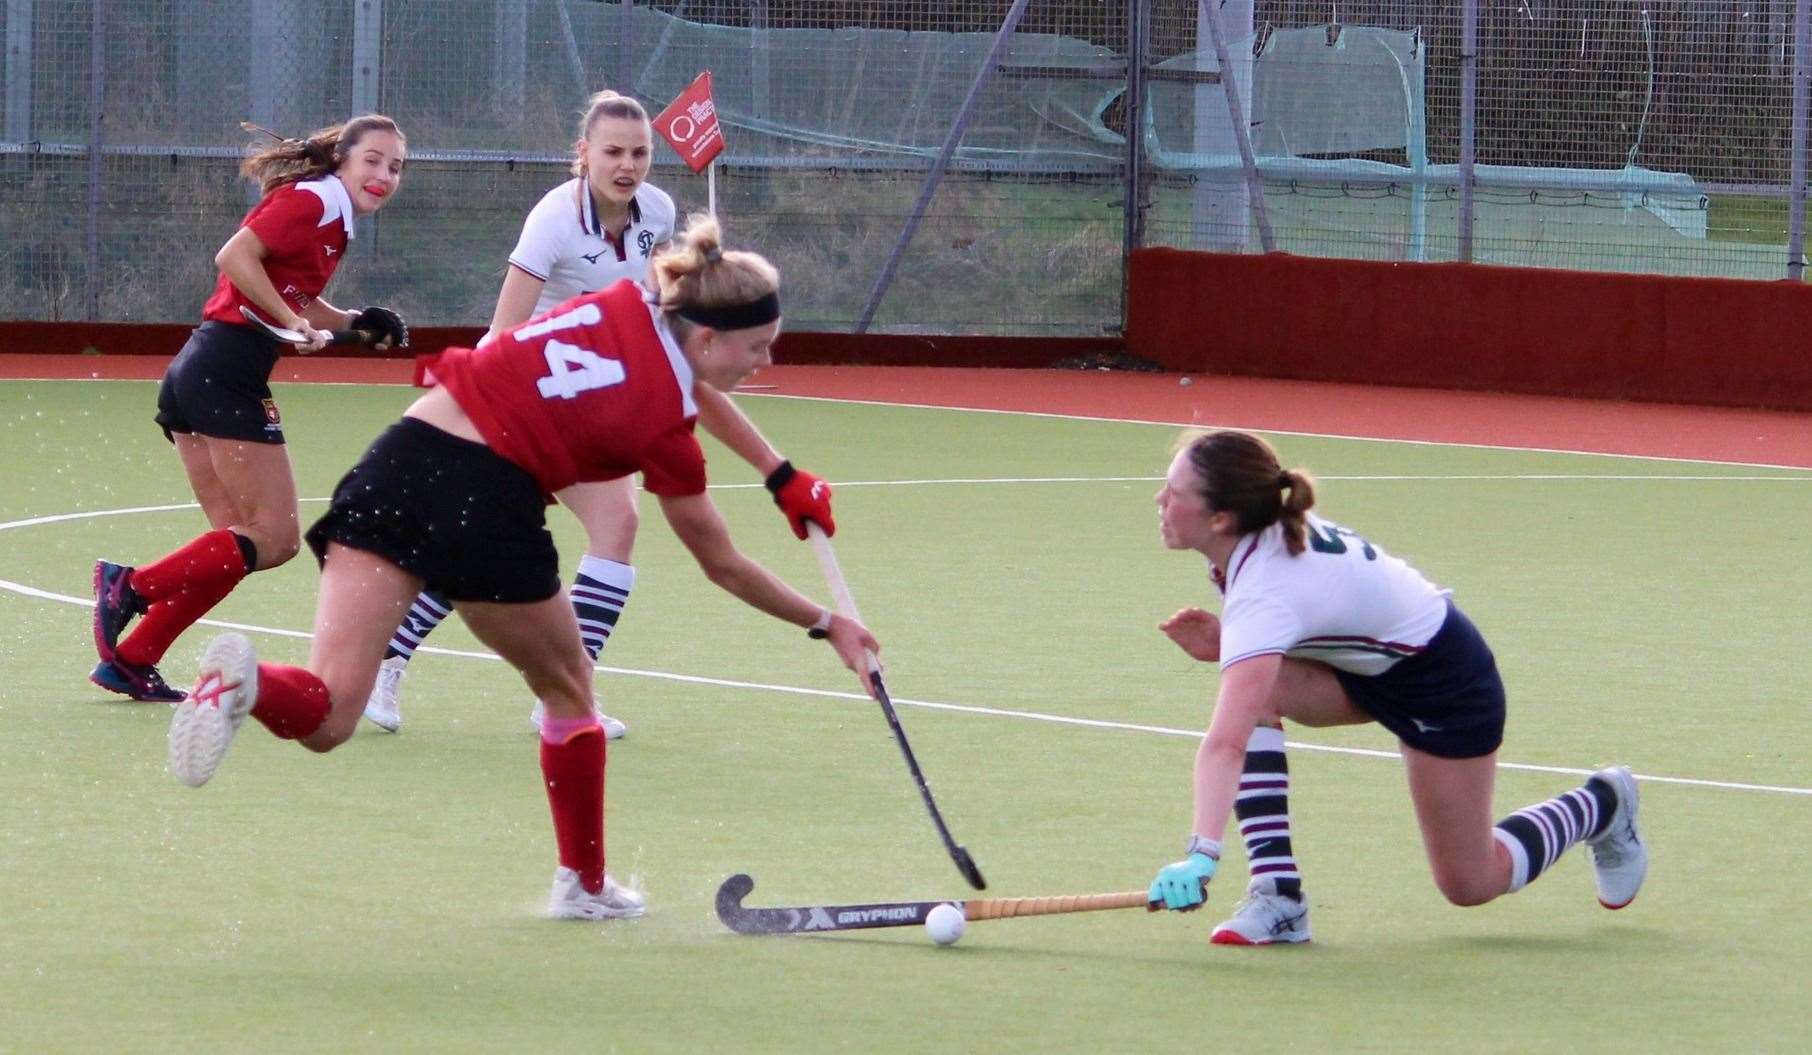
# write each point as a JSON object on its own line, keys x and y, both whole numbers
{"x": 1447, "y": 701}
{"x": 220, "y": 385}
{"x": 461, "y": 517}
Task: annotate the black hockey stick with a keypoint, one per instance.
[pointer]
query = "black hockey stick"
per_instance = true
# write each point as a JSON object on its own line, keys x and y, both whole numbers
{"x": 808, "y": 919}
{"x": 827, "y": 560}
{"x": 289, "y": 336}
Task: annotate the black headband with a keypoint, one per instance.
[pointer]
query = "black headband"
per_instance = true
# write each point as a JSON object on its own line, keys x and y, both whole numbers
{"x": 757, "y": 312}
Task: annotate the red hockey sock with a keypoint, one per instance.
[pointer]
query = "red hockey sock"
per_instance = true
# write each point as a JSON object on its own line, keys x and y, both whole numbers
{"x": 215, "y": 557}
{"x": 292, "y": 701}
{"x": 574, "y": 770}
{"x": 165, "y": 621}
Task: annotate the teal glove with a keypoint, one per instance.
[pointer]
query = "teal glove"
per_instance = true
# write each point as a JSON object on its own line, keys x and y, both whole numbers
{"x": 1182, "y": 886}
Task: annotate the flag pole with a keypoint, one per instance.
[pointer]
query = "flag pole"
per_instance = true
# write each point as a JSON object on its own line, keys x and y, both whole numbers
{"x": 711, "y": 188}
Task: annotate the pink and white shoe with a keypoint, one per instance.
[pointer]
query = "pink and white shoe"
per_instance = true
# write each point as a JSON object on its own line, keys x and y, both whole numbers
{"x": 205, "y": 721}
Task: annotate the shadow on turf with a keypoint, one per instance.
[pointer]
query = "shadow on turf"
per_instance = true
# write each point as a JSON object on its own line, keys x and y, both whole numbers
{"x": 1595, "y": 941}
{"x": 971, "y": 947}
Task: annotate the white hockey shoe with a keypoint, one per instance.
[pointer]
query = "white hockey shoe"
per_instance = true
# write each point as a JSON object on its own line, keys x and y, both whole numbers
{"x": 1265, "y": 917}
{"x": 1619, "y": 857}
{"x": 384, "y": 708}
{"x": 570, "y": 899}
{"x": 206, "y": 719}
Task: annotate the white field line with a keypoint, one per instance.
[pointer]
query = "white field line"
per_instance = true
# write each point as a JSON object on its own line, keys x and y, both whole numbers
{"x": 693, "y": 679}
{"x": 1270, "y": 431}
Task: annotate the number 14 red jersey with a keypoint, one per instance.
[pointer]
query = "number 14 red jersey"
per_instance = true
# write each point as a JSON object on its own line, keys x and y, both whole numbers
{"x": 592, "y": 390}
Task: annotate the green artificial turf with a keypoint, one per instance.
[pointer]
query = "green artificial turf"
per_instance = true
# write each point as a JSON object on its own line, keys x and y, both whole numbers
{"x": 387, "y": 896}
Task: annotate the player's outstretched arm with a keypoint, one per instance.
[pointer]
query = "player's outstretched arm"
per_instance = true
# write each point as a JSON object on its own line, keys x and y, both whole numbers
{"x": 702, "y": 530}
{"x": 801, "y": 496}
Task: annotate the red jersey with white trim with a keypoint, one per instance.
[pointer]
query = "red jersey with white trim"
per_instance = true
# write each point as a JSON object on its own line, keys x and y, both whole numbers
{"x": 304, "y": 227}
{"x": 1342, "y": 601}
{"x": 593, "y": 390}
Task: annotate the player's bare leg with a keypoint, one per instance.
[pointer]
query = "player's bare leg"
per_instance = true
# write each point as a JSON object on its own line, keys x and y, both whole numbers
{"x": 261, "y": 485}
{"x": 541, "y": 641}
{"x": 362, "y": 597}
{"x": 605, "y": 577}
{"x": 1452, "y": 797}
{"x": 198, "y": 465}
{"x": 1475, "y": 861}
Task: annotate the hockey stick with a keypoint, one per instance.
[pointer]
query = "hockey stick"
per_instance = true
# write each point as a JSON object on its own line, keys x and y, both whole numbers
{"x": 289, "y": 336}
{"x": 846, "y": 605}
{"x": 806, "y": 919}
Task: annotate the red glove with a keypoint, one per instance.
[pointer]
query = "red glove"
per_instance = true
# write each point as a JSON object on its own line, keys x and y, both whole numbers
{"x": 802, "y": 497}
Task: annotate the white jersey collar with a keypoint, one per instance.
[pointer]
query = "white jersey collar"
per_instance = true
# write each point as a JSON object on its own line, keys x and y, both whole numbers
{"x": 588, "y": 208}
{"x": 336, "y": 202}
{"x": 682, "y": 370}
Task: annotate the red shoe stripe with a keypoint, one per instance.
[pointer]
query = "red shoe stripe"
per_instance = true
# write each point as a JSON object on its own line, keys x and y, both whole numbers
{"x": 210, "y": 688}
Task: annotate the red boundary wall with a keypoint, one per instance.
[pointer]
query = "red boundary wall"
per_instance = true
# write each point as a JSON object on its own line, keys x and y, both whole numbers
{"x": 801, "y": 349}
{"x": 1720, "y": 342}
{"x": 1723, "y": 342}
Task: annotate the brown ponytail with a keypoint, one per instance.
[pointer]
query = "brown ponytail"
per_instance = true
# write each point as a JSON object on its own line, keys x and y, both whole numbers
{"x": 294, "y": 160}
{"x": 1242, "y": 476}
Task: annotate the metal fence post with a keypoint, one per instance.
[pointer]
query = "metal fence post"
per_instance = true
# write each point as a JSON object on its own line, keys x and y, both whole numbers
{"x": 1469, "y": 103}
{"x": 1242, "y": 133}
{"x": 626, "y": 48}
{"x": 1138, "y": 37}
{"x": 367, "y": 98}
{"x": 97, "y": 104}
{"x": 1796, "y": 203}
{"x": 18, "y": 70}
{"x": 509, "y": 59}
{"x": 758, "y": 56}
{"x": 367, "y": 55}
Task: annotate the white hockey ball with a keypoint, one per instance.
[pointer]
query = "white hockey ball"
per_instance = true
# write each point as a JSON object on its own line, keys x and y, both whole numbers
{"x": 945, "y": 924}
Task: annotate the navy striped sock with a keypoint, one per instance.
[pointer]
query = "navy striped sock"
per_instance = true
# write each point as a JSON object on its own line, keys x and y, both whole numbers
{"x": 429, "y": 611}
{"x": 599, "y": 592}
{"x": 1263, "y": 810}
{"x": 1537, "y": 835}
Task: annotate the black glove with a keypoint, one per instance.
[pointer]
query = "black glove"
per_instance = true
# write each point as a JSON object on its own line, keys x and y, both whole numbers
{"x": 385, "y": 327}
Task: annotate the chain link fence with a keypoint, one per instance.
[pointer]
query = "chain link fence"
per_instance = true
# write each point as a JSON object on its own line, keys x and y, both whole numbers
{"x": 1601, "y": 134}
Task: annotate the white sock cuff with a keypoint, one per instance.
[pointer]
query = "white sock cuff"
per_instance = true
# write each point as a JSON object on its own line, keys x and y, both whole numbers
{"x": 1519, "y": 859}
{"x": 1265, "y": 738}
{"x": 607, "y": 571}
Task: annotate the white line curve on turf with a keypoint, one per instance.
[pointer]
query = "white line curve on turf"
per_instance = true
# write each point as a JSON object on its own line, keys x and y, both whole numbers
{"x": 931, "y": 705}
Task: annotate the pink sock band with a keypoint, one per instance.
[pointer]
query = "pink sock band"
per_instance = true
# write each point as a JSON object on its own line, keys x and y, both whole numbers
{"x": 560, "y": 730}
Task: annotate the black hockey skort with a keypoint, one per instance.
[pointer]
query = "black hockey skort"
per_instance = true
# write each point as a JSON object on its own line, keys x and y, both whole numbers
{"x": 471, "y": 524}
{"x": 219, "y": 385}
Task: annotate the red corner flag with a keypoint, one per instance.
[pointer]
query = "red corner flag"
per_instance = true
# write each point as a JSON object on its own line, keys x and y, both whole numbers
{"x": 689, "y": 124}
